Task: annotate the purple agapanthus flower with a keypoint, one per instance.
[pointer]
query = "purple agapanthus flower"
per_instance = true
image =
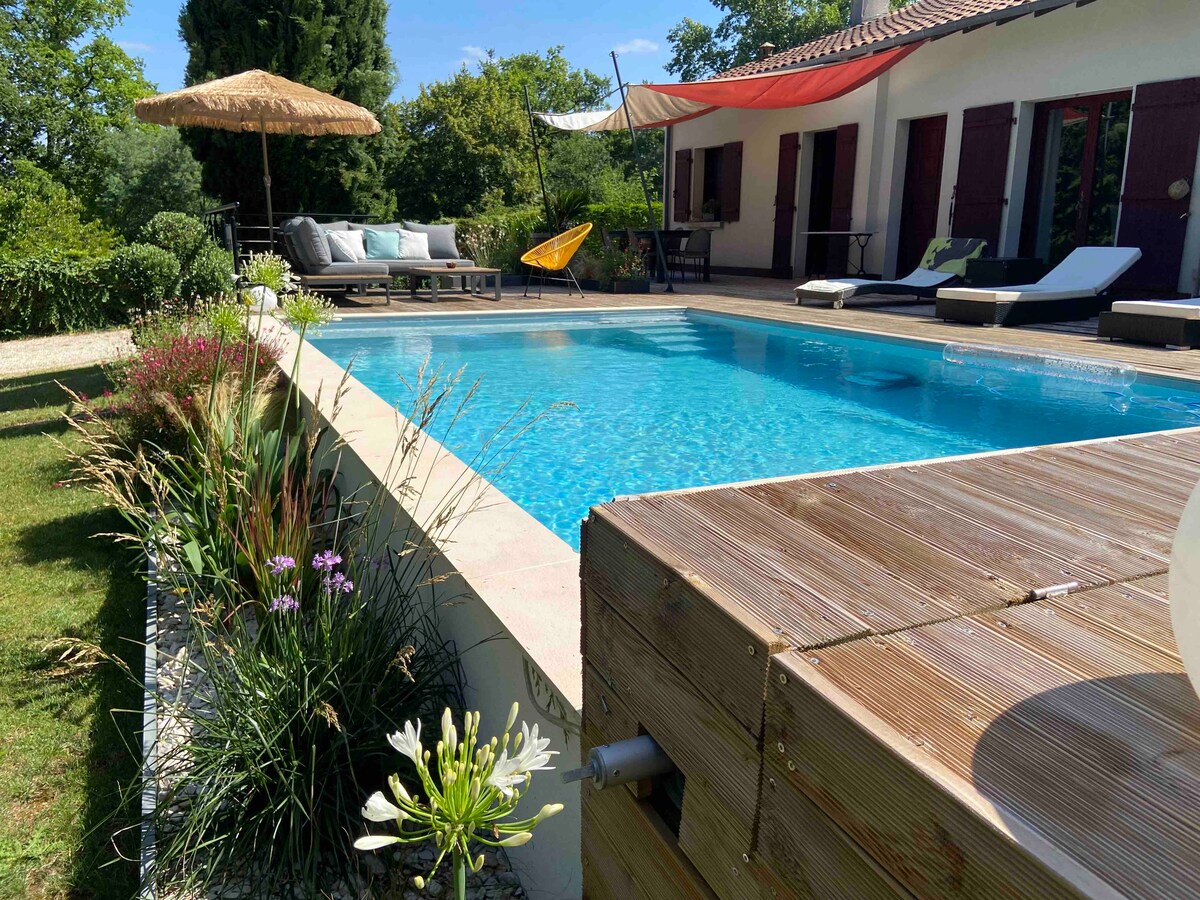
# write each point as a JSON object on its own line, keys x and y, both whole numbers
{"x": 280, "y": 564}
{"x": 338, "y": 582}
{"x": 326, "y": 560}
{"x": 285, "y": 603}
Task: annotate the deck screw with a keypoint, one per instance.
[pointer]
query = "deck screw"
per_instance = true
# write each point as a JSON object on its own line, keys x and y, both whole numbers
{"x": 745, "y": 857}
{"x": 781, "y": 748}
{"x": 771, "y": 782}
{"x": 750, "y": 649}
{"x": 734, "y": 870}
{"x": 791, "y": 766}
{"x": 782, "y": 679}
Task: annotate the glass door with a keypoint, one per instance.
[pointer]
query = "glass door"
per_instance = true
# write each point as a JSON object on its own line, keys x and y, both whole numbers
{"x": 1076, "y": 165}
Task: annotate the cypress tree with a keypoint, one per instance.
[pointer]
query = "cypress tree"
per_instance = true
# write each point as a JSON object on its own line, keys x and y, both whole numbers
{"x": 337, "y": 46}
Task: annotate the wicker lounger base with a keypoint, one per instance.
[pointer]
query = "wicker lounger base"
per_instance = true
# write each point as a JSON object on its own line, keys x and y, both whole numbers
{"x": 1024, "y": 312}
{"x": 1165, "y": 331}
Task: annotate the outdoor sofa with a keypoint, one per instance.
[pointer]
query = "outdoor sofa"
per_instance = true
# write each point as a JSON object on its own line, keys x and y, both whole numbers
{"x": 1071, "y": 290}
{"x": 944, "y": 263}
{"x": 313, "y": 252}
{"x": 1174, "y": 324}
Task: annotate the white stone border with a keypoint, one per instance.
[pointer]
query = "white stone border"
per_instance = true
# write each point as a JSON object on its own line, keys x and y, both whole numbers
{"x": 147, "y": 882}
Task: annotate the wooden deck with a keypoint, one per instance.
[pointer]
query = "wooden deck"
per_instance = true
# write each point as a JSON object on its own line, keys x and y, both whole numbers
{"x": 772, "y": 299}
{"x": 929, "y": 728}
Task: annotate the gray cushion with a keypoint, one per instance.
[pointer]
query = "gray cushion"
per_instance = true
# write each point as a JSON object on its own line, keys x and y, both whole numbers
{"x": 308, "y": 242}
{"x": 340, "y": 225}
{"x": 441, "y": 239}
{"x": 389, "y": 226}
{"x": 376, "y": 267}
{"x": 400, "y": 266}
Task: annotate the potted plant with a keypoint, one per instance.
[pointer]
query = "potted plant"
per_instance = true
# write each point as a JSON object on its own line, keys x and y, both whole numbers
{"x": 624, "y": 272}
{"x": 265, "y": 277}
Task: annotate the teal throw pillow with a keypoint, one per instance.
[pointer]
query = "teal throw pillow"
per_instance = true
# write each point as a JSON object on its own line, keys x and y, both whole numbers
{"x": 382, "y": 244}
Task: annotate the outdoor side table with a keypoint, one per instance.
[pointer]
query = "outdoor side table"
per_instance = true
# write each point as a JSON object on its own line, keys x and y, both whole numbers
{"x": 474, "y": 279}
{"x": 858, "y": 239}
{"x": 998, "y": 271}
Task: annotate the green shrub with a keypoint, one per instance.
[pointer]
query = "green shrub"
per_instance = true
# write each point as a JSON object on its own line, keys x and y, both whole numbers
{"x": 42, "y": 218}
{"x": 139, "y": 278}
{"x": 46, "y": 293}
{"x": 204, "y": 268}
{"x": 146, "y": 169}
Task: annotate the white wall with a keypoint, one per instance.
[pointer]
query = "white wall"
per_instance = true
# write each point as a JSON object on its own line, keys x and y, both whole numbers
{"x": 1104, "y": 46}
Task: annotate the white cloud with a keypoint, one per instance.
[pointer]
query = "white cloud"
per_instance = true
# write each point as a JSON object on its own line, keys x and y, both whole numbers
{"x": 135, "y": 47}
{"x": 472, "y": 54}
{"x": 637, "y": 45}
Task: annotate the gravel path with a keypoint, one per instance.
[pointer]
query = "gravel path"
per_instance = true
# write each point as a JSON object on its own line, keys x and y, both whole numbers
{"x": 63, "y": 351}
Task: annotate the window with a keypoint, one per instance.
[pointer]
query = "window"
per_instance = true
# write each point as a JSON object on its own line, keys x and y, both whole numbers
{"x": 709, "y": 173}
{"x": 1075, "y": 169}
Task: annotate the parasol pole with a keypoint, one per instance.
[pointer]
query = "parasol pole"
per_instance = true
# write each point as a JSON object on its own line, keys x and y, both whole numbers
{"x": 537, "y": 157}
{"x": 637, "y": 161}
{"x": 262, "y": 130}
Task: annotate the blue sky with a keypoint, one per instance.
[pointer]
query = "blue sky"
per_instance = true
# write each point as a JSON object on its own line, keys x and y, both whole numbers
{"x": 430, "y": 41}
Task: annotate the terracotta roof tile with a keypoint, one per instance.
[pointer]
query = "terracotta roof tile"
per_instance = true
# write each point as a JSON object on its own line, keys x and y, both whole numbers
{"x": 907, "y": 22}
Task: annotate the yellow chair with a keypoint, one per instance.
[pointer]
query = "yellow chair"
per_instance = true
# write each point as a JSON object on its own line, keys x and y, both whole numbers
{"x": 555, "y": 256}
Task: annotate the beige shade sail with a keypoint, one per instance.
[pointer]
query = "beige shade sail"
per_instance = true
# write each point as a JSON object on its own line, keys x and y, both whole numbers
{"x": 262, "y": 102}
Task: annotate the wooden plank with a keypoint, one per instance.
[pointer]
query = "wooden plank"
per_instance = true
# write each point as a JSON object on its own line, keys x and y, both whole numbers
{"x": 1106, "y": 465}
{"x": 629, "y": 855}
{"x": 1052, "y": 550}
{"x": 720, "y": 551}
{"x": 818, "y": 572}
{"x": 1058, "y": 726}
{"x": 722, "y": 646}
{"x": 809, "y": 856}
{"x": 880, "y": 783}
{"x": 1184, "y": 446}
{"x": 707, "y": 744}
{"x": 889, "y": 547}
{"x": 1123, "y": 494}
{"x": 1138, "y": 611}
{"x": 1162, "y": 467}
{"x": 1058, "y": 505}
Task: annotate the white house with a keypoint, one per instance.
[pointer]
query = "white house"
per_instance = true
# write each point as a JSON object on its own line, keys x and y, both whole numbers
{"x": 1039, "y": 125}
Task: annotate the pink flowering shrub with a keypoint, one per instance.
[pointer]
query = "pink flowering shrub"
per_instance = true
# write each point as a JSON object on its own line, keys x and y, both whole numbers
{"x": 179, "y": 372}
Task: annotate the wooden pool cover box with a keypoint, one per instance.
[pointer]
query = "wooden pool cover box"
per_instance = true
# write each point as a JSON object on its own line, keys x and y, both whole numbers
{"x": 866, "y": 697}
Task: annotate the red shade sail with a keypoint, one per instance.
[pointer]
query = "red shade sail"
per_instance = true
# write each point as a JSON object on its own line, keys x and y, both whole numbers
{"x": 658, "y": 105}
{"x": 797, "y": 87}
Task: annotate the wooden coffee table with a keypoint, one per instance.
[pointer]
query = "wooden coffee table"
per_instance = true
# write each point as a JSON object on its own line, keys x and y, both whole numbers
{"x": 476, "y": 275}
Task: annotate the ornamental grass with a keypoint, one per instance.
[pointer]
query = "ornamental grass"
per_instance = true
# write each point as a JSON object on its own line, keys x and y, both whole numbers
{"x": 312, "y": 610}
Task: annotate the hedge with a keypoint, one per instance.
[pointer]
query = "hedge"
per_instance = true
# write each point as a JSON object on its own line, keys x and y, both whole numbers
{"x": 47, "y": 294}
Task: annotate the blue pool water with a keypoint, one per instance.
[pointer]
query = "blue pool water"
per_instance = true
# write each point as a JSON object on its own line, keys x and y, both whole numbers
{"x": 667, "y": 399}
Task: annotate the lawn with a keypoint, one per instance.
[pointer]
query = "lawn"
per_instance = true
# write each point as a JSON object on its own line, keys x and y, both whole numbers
{"x": 64, "y": 756}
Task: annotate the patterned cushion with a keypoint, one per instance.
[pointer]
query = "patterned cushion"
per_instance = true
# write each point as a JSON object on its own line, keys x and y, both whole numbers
{"x": 950, "y": 255}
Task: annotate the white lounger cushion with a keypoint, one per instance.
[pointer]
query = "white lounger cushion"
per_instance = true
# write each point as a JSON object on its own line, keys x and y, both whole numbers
{"x": 1174, "y": 309}
{"x": 1086, "y": 272}
{"x": 1017, "y": 293}
{"x": 848, "y": 287}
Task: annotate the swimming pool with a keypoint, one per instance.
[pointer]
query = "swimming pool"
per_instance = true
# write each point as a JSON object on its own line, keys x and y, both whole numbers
{"x": 667, "y": 399}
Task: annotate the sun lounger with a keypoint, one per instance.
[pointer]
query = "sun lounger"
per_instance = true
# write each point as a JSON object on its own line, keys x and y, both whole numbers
{"x": 944, "y": 263}
{"x": 1174, "y": 324}
{"x": 1071, "y": 290}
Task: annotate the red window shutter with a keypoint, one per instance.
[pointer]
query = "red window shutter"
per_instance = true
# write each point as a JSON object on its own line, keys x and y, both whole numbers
{"x": 979, "y": 198}
{"x": 1163, "y": 140}
{"x": 843, "y": 196}
{"x": 731, "y": 182}
{"x": 682, "y": 196}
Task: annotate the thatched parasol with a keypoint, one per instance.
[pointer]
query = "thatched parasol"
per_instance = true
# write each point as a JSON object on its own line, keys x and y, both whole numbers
{"x": 262, "y": 102}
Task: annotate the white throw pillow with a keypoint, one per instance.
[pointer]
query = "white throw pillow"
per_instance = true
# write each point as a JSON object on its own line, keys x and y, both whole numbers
{"x": 347, "y": 246}
{"x": 413, "y": 245}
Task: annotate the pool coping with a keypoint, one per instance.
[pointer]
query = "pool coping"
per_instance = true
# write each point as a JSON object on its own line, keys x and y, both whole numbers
{"x": 516, "y": 565}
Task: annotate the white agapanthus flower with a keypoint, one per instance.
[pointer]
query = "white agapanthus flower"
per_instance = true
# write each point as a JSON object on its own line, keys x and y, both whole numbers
{"x": 408, "y": 742}
{"x": 474, "y": 794}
